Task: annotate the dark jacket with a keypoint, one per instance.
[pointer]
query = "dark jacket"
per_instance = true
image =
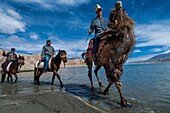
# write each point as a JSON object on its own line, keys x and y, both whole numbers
{"x": 10, "y": 56}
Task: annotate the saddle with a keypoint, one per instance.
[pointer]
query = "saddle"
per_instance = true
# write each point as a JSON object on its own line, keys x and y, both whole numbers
{"x": 8, "y": 66}
{"x": 40, "y": 64}
{"x": 105, "y": 38}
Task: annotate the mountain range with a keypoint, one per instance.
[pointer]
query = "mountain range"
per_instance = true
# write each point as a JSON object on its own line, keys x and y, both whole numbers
{"x": 31, "y": 59}
{"x": 163, "y": 57}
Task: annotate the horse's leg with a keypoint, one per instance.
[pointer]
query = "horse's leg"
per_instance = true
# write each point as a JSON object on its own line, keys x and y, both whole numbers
{"x": 95, "y": 71}
{"x": 16, "y": 78}
{"x": 8, "y": 77}
{"x": 35, "y": 74}
{"x": 3, "y": 78}
{"x": 39, "y": 73}
{"x": 10, "y": 74}
{"x": 90, "y": 74}
{"x": 59, "y": 78}
{"x": 52, "y": 82}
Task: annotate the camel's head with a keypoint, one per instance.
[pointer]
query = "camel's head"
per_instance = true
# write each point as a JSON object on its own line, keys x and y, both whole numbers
{"x": 118, "y": 4}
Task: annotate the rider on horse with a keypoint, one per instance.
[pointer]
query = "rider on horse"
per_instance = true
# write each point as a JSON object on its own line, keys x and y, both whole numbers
{"x": 47, "y": 52}
{"x": 11, "y": 56}
{"x": 99, "y": 24}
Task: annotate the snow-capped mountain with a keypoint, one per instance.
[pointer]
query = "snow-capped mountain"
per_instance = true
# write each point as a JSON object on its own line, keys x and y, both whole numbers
{"x": 160, "y": 58}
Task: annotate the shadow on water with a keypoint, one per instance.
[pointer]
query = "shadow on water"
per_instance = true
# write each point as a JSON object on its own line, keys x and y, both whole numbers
{"x": 96, "y": 97}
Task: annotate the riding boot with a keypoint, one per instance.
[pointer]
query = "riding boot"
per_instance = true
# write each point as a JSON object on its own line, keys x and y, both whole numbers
{"x": 95, "y": 59}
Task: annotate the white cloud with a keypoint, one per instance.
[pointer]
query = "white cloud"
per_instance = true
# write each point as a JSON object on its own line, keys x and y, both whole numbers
{"x": 52, "y": 3}
{"x": 14, "y": 14}
{"x": 155, "y": 34}
{"x": 34, "y": 36}
{"x": 71, "y": 46}
{"x": 21, "y": 44}
{"x": 141, "y": 58}
{"x": 10, "y": 22}
{"x": 71, "y": 2}
{"x": 156, "y": 50}
{"x": 137, "y": 51}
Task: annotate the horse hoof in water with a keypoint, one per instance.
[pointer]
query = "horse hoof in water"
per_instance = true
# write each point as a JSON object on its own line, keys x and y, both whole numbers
{"x": 52, "y": 83}
{"x": 62, "y": 85}
{"x": 16, "y": 80}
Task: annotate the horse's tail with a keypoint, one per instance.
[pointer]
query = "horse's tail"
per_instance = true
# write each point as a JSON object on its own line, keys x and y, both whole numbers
{"x": 83, "y": 54}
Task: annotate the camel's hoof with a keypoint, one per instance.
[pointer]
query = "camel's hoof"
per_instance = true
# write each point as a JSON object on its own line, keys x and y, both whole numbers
{"x": 105, "y": 93}
{"x": 128, "y": 105}
{"x": 92, "y": 88}
{"x": 100, "y": 84}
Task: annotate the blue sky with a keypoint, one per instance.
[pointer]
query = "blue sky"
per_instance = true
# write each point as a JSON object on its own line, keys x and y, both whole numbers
{"x": 27, "y": 24}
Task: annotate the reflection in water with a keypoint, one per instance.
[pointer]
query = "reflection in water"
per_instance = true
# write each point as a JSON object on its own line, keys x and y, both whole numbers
{"x": 147, "y": 87}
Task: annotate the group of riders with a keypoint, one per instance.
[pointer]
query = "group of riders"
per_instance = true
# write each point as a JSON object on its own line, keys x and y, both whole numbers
{"x": 99, "y": 25}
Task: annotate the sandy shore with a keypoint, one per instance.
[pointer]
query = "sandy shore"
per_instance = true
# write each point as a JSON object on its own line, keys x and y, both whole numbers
{"x": 49, "y": 102}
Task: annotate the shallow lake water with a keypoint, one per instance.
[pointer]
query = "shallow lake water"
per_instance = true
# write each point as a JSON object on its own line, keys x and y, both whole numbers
{"x": 145, "y": 86}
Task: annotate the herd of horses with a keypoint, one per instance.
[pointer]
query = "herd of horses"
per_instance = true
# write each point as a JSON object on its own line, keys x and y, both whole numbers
{"x": 117, "y": 45}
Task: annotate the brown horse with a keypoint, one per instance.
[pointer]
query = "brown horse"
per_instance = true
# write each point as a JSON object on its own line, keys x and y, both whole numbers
{"x": 54, "y": 66}
{"x": 12, "y": 69}
{"x": 116, "y": 46}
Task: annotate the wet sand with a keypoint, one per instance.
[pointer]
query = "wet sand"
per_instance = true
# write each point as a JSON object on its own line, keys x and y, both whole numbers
{"x": 25, "y": 97}
{"x": 49, "y": 102}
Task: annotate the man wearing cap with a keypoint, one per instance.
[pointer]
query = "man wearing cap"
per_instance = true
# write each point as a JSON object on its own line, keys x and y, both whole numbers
{"x": 99, "y": 25}
{"x": 47, "y": 52}
{"x": 11, "y": 56}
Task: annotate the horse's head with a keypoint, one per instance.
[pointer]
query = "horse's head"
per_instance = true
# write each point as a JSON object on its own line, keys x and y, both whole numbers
{"x": 63, "y": 55}
{"x": 21, "y": 61}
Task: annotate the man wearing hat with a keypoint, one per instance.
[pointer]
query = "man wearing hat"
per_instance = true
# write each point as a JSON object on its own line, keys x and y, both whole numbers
{"x": 99, "y": 25}
{"x": 47, "y": 52}
{"x": 11, "y": 56}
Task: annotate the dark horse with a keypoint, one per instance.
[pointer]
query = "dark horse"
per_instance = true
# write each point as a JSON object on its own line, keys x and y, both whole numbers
{"x": 12, "y": 69}
{"x": 116, "y": 45}
{"x": 54, "y": 66}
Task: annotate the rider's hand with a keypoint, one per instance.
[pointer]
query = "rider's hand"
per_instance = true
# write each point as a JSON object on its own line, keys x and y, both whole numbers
{"x": 42, "y": 58}
{"x": 89, "y": 31}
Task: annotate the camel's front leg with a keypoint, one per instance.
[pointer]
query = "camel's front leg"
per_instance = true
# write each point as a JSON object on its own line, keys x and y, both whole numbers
{"x": 95, "y": 71}
{"x": 124, "y": 102}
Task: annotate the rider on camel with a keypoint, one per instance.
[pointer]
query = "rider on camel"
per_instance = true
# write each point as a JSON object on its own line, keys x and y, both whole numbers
{"x": 99, "y": 25}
